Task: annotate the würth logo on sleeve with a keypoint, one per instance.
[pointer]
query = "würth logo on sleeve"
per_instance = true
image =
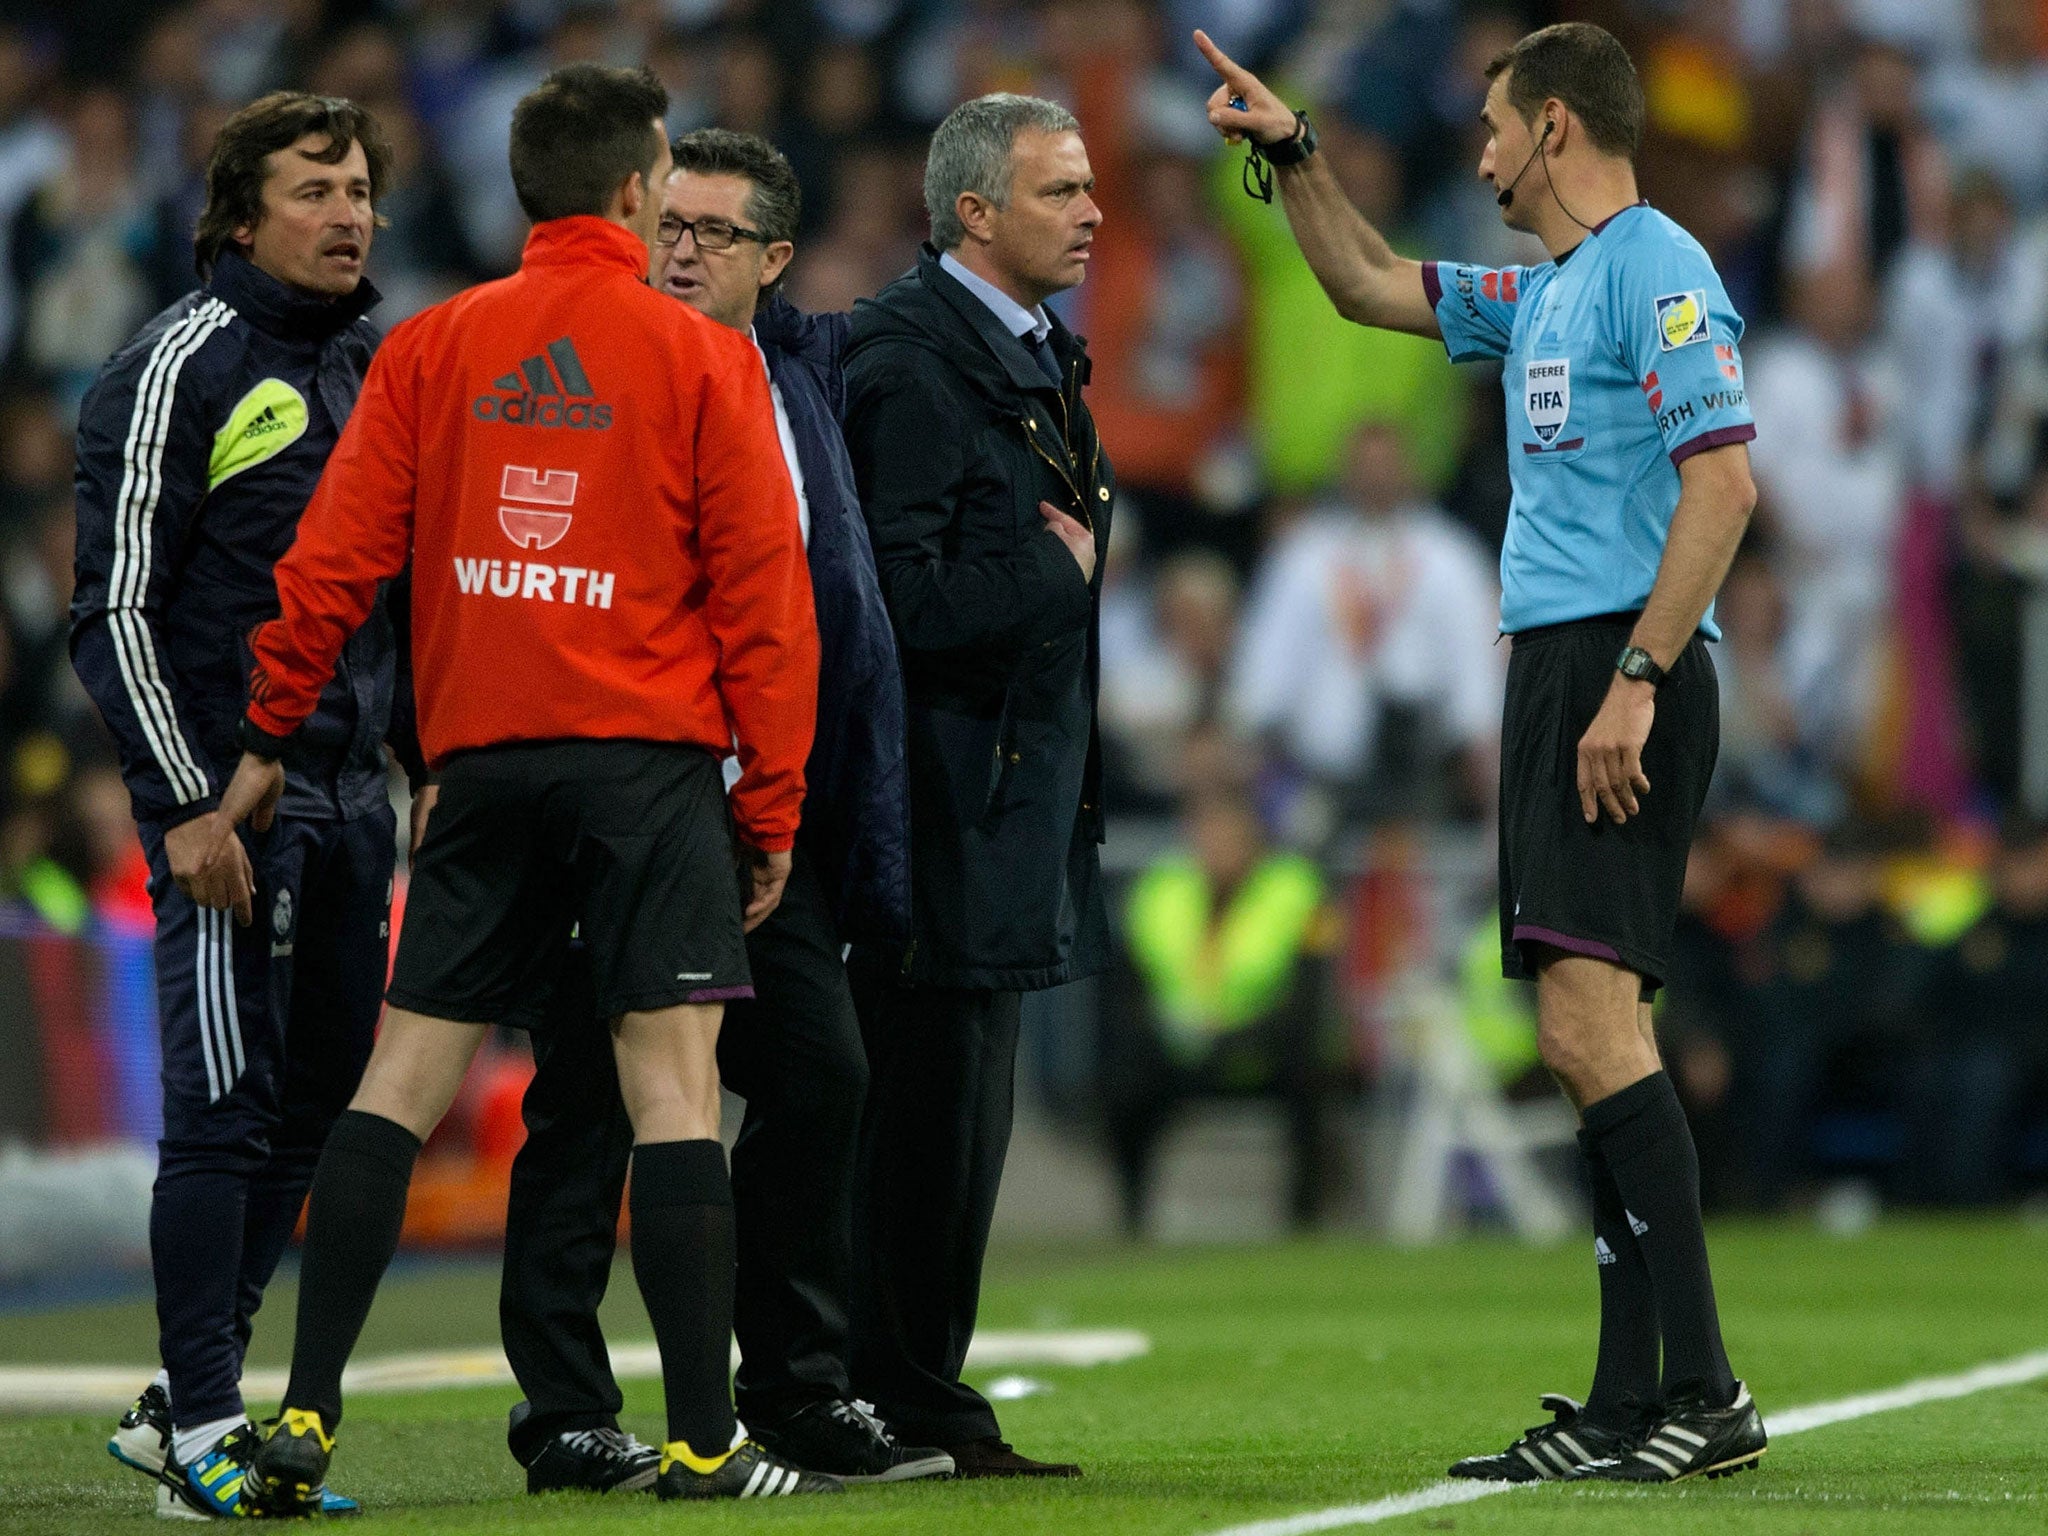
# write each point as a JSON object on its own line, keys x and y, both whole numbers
{"x": 549, "y": 389}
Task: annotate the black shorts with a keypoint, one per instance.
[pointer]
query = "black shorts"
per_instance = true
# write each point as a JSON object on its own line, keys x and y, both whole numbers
{"x": 1596, "y": 889}
{"x": 630, "y": 840}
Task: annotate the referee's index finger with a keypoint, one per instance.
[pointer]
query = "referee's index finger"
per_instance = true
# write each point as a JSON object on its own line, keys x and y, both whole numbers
{"x": 1221, "y": 62}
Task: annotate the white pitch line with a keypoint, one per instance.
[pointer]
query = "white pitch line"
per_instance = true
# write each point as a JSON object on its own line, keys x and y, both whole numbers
{"x": 111, "y": 1388}
{"x": 1792, "y": 1421}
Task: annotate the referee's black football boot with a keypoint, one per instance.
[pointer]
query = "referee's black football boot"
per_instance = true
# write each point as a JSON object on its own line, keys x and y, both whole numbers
{"x": 593, "y": 1461}
{"x": 1550, "y": 1452}
{"x": 745, "y": 1472}
{"x": 845, "y": 1440}
{"x": 288, "y": 1473}
{"x": 1690, "y": 1440}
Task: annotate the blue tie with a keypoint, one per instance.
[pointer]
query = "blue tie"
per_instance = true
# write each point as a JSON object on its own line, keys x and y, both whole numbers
{"x": 1041, "y": 348}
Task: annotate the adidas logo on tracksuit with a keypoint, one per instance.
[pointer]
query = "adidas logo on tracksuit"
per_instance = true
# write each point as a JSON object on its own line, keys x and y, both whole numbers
{"x": 266, "y": 421}
{"x": 537, "y": 395}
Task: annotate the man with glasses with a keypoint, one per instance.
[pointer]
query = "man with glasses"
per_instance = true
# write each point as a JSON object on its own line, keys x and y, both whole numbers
{"x": 793, "y": 1050}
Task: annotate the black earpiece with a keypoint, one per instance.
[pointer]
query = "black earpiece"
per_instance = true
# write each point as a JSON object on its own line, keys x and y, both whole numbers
{"x": 1507, "y": 196}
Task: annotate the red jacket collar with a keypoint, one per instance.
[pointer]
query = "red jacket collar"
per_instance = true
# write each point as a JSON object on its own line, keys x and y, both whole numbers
{"x": 585, "y": 240}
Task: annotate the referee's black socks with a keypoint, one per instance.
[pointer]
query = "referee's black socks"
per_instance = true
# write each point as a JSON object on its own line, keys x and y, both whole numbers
{"x": 1647, "y": 1146}
{"x": 1625, "y": 1371}
{"x": 352, "y": 1223}
{"x": 683, "y": 1256}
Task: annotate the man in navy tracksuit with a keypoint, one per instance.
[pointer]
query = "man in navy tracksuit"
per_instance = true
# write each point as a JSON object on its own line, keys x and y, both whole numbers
{"x": 198, "y": 447}
{"x": 793, "y": 1050}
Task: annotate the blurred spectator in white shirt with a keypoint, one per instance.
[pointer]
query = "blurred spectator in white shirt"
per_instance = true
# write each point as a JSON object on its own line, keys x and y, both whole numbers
{"x": 1831, "y": 479}
{"x": 1164, "y": 650}
{"x": 1946, "y": 311}
{"x": 1371, "y": 601}
{"x": 1768, "y": 762}
{"x": 1991, "y": 107}
{"x": 81, "y": 244}
{"x": 2015, "y": 452}
{"x": 1872, "y": 177}
{"x": 31, "y": 149}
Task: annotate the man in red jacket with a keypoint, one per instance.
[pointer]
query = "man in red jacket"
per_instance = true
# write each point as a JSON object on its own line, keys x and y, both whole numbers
{"x": 609, "y": 588}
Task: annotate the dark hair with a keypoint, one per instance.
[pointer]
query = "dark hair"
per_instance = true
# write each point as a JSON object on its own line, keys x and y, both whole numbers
{"x": 581, "y": 132}
{"x": 776, "y": 204}
{"x": 240, "y": 162}
{"x": 1587, "y": 69}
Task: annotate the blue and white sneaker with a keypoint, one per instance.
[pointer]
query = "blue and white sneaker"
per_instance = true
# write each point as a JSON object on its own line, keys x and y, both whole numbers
{"x": 143, "y": 1437}
{"x": 171, "y": 1507}
{"x": 211, "y": 1487}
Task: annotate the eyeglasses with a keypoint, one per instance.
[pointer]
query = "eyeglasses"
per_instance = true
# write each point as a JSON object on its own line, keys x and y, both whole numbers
{"x": 710, "y": 234}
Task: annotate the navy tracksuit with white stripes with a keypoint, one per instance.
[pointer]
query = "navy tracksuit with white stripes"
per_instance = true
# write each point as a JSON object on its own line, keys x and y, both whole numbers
{"x": 198, "y": 447}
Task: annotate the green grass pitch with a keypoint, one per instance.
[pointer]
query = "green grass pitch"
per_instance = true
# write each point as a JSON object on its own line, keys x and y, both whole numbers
{"x": 1281, "y": 1380}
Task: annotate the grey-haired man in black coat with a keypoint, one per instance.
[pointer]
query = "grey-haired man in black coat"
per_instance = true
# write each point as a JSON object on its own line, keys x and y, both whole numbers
{"x": 987, "y": 497}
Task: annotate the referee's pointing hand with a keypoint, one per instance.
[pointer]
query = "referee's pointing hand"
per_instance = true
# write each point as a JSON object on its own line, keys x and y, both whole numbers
{"x": 1263, "y": 115}
{"x": 1611, "y": 752}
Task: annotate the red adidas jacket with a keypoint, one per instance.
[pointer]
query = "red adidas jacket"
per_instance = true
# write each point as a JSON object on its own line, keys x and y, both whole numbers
{"x": 604, "y": 541}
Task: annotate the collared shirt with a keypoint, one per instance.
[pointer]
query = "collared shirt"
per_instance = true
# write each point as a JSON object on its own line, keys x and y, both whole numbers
{"x": 1017, "y": 320}
{"x": 1619, "y": 366}
{"x": 784, "y": 431}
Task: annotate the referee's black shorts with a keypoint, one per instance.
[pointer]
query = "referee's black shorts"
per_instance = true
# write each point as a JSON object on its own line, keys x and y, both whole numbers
{"x": 1596, "y": 888}
{"x": 631, "y": 840}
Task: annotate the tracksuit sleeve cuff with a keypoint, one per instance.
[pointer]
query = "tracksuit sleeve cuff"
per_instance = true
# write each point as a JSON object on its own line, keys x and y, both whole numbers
{"x": 256, "y": 733}
{"x": 191, "y": 810}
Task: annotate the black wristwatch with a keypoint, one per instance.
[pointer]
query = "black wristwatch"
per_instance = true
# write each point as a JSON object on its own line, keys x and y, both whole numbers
{"x": 1296, "y": 147}
{"x": 1635, "y": 662}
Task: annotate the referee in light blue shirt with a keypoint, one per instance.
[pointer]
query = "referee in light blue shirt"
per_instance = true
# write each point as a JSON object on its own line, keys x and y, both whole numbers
{"x": 1627, "y": 425}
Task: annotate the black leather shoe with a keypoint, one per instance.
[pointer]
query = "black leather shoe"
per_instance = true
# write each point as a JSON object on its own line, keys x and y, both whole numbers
{"x": 994, "y": 1456}
{"x": 593, "y": 1461}
{"x": 846, "y": 1441}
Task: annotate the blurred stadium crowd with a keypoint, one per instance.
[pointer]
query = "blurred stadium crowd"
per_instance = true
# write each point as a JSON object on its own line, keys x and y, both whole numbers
{"x": 1299, "y": 622}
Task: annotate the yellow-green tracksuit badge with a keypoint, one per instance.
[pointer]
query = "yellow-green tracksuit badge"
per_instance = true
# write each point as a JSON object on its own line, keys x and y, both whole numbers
{"x": 264, "y": 422}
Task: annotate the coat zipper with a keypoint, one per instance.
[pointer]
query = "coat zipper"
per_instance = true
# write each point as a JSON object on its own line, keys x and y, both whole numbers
{"x": 1066, "y": 441}
{"x": 1081, "y": 506}
{"x": 1067, "y": 437}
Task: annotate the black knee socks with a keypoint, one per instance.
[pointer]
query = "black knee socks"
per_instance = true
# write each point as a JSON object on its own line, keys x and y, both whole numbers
{"x": 1625, "y": 1372}
{"x": 683, "y": 1258}
{"x": 1647, "y": 1146}
{"x": 352, "y": 1223}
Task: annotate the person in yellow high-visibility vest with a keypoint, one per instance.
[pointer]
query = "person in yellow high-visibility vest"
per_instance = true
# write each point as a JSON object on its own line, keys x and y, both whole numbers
{"x": 1226, "y": 944}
